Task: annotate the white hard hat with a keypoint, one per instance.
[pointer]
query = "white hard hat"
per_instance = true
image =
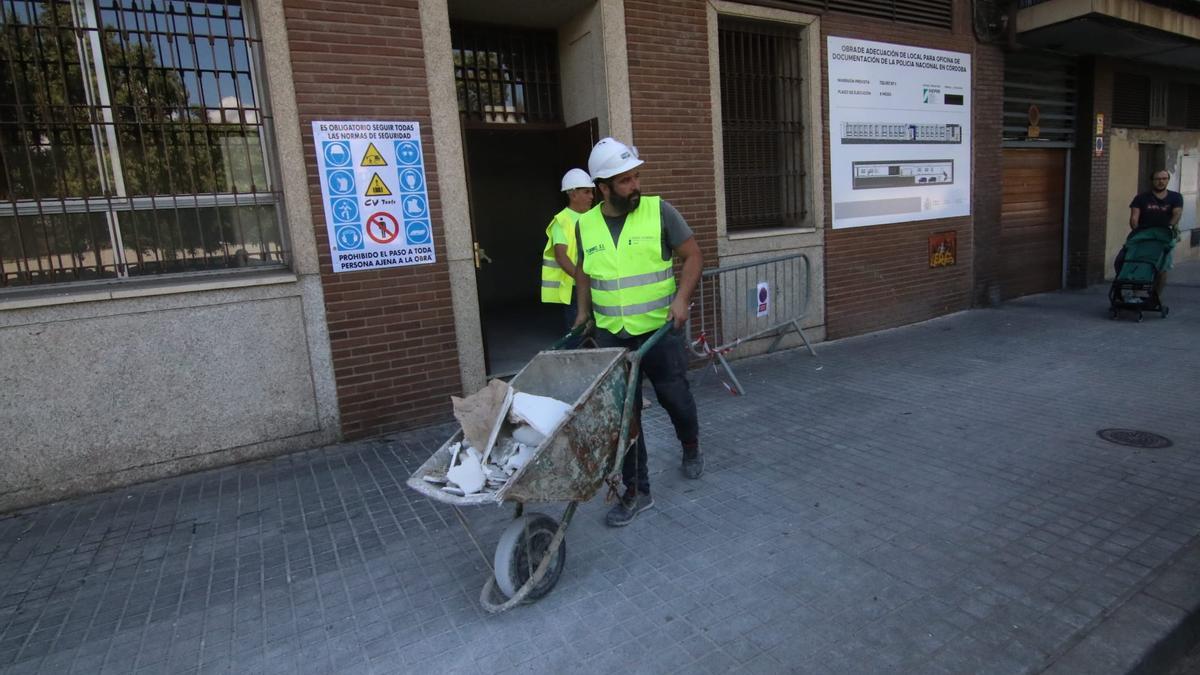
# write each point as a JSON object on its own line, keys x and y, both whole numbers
{"x": 576, "y": 178}
{"x": 611, "y": 157}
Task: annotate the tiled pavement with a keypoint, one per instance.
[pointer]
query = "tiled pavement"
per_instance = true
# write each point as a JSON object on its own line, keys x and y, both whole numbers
{"x": 930, "y": 499}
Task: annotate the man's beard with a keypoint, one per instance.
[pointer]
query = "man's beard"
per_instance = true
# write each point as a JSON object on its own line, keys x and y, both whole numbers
{"x": 625, "y": 204}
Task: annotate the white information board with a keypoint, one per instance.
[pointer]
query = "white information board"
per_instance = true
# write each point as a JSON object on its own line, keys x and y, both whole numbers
{"x": 373, "y": 189}
{"x": 899, "y": 132}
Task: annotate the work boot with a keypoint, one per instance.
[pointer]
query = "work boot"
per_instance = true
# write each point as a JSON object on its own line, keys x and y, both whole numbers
{"x": 626, "y": 509}
{"x": 693, "y": 460}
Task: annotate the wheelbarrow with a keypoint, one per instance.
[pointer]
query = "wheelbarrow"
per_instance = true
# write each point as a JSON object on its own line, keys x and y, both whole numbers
{"x": 570, "y": 465}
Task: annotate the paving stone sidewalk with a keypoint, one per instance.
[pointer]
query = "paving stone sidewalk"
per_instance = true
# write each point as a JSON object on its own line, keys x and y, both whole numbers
{"x": 931, "y": 499}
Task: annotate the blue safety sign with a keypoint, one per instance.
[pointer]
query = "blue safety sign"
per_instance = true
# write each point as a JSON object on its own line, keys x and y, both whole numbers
{"x": 337, "y": 153}
{"x": 414, "y": 206}
{"x": 412, "y": 180}
{"x": 349, "y": 238}
{"x": 345, "y": 209}
{"x": 341, "y": 182}
{"x": 417, "y": 232}
{"x": 408, "y": 152}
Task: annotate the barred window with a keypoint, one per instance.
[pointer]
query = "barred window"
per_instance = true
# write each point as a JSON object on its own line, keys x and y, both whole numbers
{"x": 762, "y": 97}
{"x": 133, "y": 141}
{"x": 506, "y": 75}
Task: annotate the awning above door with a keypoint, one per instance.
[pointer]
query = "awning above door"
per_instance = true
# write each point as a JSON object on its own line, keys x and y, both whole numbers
{"x": 1124, "y": 29}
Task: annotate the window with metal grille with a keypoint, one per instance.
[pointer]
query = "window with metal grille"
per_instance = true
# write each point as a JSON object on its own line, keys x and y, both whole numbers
{"x": 133, "y": 141}
{"x": 1193, "y": 107}
{"x": 506, "y": 75}
{"x": 1131, "y": 100}
{"x": 762, "y": 126}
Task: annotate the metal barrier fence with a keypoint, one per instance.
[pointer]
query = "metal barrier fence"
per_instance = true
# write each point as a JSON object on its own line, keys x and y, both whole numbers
{"x": 753, "y": 300}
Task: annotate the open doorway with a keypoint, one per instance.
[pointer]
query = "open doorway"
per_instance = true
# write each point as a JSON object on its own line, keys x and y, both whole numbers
{"x": 513, "y": 183}
{"x": 518, "y": 141}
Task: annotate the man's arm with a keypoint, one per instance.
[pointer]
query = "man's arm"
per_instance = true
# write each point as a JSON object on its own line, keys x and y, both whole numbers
{"x": 583, "y": 297}
{"x": 693, "y": 263}
{"x": 560, "y": 255}
{"x": 1134, "y": 214}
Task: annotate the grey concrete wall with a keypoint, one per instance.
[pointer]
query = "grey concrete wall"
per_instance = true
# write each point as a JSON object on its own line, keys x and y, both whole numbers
{"x": 101, "y": 394}
{"x": 103, "y": 385}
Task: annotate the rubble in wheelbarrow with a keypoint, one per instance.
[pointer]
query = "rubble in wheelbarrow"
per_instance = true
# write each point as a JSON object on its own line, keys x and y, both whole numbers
{"x": 509, "y": 426}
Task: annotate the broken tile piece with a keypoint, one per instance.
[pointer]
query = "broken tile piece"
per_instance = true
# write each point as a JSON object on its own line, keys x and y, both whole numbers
{"x": 468, "y": 474}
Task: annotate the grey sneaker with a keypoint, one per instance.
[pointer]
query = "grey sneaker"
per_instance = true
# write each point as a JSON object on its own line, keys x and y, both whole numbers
{"x": 693, "y": 461}
{"x": 626, "y": 509}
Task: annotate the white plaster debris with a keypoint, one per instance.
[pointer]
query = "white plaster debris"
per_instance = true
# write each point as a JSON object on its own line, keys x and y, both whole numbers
{"x": 510, "y": 444}
{"x": 519, "y": 458}
{"x": 528, "y": 435}
{"x": 468, "y": 473}
{"x": 540, "y": 412}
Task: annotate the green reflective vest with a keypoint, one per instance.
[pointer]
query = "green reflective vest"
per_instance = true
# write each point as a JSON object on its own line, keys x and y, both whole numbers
{"x": 557, "y": 285}
{"x": 632, "y": 286}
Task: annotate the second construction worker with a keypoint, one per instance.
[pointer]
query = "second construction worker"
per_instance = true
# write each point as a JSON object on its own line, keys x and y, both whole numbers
{"x": 559, "y": 255}
{"x": 625, "y": 281}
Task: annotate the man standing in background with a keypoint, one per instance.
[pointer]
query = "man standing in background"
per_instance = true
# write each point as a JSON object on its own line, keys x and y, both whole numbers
{"x": 559, "y": 255}
{"x": 1157, "y": 207}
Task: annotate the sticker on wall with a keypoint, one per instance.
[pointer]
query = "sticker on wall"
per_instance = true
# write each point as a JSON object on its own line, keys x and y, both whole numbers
{"x": 373, "y": 189}
{"x": 764, "y": 299}
{"x": 942, "y": 249}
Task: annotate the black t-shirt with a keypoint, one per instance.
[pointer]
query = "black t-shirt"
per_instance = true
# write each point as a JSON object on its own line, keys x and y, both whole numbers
{"x": 1155, "y": 212}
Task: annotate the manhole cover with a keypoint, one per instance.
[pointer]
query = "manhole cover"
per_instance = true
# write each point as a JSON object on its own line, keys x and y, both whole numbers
{"x": 1134, "y": 438}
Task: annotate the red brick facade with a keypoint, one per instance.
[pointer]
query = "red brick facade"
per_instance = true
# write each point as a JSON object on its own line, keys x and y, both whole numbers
{"x": 1087, "y": 235}
{"x": 879, "y": 277}
{"x": 671, "y": 102}
{"x": 391, "y": 331}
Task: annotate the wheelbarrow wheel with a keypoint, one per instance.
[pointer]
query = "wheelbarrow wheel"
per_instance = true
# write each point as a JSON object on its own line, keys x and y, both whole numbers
{"x": 521, "y": 549}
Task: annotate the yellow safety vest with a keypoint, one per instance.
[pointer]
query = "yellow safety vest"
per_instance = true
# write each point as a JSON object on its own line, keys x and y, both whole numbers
{"x": 557, "y": 285}
{"x": 632, "y": 286}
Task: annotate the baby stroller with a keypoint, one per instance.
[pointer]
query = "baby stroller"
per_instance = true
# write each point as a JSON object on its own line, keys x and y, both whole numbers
{"x": 1138, "y": 266}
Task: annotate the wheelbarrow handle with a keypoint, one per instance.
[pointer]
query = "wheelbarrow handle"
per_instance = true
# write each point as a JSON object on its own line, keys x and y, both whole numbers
{"x": 635, "y": 374}
{"x": 582, "y": 329}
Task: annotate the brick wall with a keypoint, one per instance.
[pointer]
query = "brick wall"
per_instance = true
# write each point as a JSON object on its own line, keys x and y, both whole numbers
{"x": 670, "y": 96}
{"x": 1087, "y": 255}
{"x": 879, "y": 277}
{"x": 987, "y": 121}
{"x": 391, "y": 331}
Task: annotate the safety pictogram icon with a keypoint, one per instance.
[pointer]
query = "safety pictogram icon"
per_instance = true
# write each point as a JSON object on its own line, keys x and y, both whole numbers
{"x": 372, "y": 157}
{"x": 417, "y": 232}
{"x": 337, "y": 153}
{"x": 377, "y": 188}
{"x": 382, "y": 227}
{"x": 349, "y": 238}
{"x": 407, "y": 152}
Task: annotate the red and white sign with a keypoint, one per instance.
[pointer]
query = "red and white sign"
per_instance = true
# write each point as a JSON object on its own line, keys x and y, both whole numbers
{"x": 382, "y": 227}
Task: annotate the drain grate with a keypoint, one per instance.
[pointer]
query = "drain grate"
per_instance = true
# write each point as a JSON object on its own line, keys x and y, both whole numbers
{"x": 1134, "y": 438}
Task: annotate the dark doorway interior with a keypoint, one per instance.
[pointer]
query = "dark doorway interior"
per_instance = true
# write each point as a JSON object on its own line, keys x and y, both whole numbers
{"x": 1151, "y": 157}
{"x": 514, "y": 190}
